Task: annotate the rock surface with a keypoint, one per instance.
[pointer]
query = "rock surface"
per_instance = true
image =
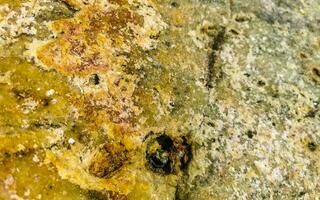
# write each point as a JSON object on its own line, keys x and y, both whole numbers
{"x": 185, "y": 99}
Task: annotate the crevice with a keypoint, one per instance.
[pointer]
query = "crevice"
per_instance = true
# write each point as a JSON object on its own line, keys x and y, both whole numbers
{"x": 218, "y": 41}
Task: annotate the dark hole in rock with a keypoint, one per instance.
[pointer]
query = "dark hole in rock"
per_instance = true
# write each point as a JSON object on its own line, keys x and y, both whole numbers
{"x": 165, "y": 155}
{"x": 312, "y": 146}
{"x": 165, "y": 142}
{"x": 261, "y": 83}
{"x": 95, "y": 79}
{"x": 158, "y": 154}
{"x": 46, "y": 102}
{"x": 174, "y": 4}
{"x": 251, "y": 133}
{"x": 302, "y": 193}
{"x": 172, "y": 105}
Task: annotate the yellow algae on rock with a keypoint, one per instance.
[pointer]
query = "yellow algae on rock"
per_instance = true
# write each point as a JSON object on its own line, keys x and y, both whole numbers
{"x": 157, "y": 99}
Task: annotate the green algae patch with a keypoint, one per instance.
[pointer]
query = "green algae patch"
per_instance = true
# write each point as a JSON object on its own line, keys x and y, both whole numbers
{"x": 25, "y": 88}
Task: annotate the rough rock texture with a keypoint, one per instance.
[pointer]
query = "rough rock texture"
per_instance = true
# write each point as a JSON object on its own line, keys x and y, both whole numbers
{"x": 157, "y": 99}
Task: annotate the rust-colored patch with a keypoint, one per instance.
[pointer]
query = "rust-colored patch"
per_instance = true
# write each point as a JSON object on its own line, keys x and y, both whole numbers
{"x": 98, "y": 38}
{"x": 108, "y": 159}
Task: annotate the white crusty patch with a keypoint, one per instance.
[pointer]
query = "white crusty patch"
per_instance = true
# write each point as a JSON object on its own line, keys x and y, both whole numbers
{"x": 14, "y": 23}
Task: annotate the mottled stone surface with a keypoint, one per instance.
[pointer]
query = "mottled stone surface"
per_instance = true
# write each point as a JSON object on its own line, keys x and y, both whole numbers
{"x": 158, "y": 99}
{"x": 259, "y": 134}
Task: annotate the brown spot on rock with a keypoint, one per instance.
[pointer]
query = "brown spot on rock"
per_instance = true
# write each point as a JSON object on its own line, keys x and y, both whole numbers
{"x": 107, "y": 160}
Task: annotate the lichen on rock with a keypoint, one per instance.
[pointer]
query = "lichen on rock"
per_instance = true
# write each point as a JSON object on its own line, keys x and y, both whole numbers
{"x": 156, "y": 99}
